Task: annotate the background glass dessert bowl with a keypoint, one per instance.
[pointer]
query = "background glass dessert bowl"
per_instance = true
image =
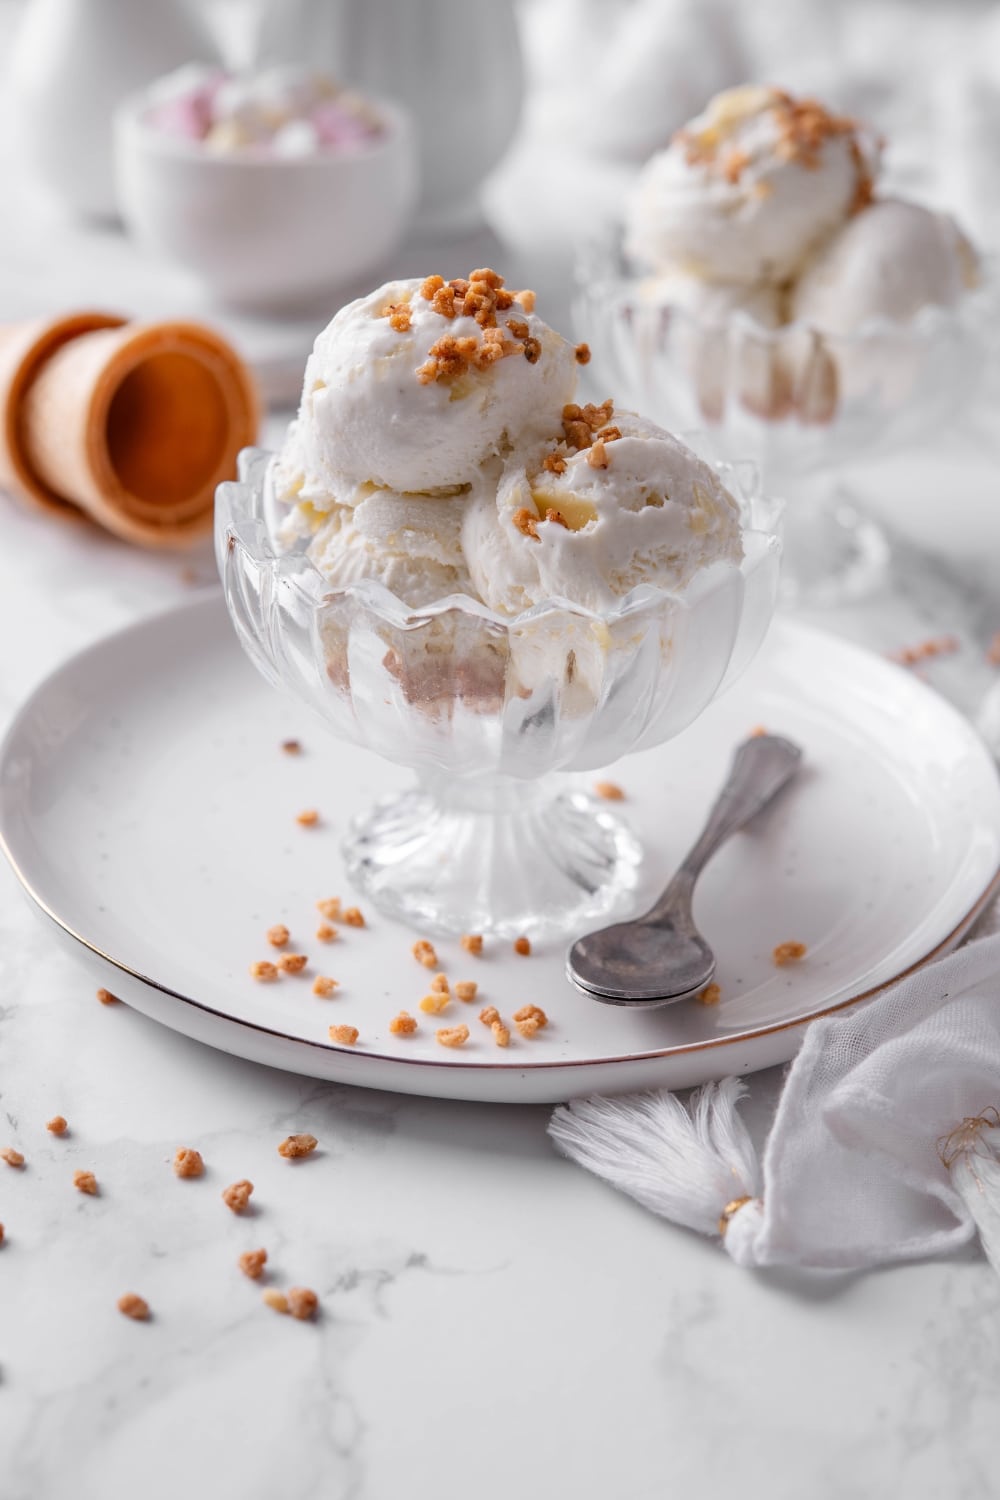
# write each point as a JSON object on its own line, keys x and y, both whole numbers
{"x": 396, "y": 618}
{"x": 761, "y": 290}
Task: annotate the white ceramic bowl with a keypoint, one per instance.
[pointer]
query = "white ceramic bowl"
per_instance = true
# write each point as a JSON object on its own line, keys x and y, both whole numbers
{"x": 265, "y": 232}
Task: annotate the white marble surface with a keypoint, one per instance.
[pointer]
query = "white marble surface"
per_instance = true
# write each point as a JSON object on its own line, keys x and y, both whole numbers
{"x": 494, "y": 1321}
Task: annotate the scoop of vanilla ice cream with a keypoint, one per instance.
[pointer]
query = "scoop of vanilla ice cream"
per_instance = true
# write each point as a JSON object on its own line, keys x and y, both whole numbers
{"x": 888, "y": 261}
{"x": 384, "y": 402}
{"x": 748, "y": 188}
{"x": 413, "y": 547}
{"x": 711, "y": 304}
{"x": 655, "y": 515}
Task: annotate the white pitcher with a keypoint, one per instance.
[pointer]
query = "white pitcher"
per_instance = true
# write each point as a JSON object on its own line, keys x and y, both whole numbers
{"x": 456, "y": 66}
{"x": 71, "y": 64}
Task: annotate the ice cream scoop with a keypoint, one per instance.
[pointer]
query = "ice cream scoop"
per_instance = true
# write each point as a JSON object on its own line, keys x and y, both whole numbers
{"x": 412, "y": 547}
{"x": 887, "y": 262}
{"x": 413, "y": 387}
{"x": 630, "y": 505}
{"x": 751, "y": 186}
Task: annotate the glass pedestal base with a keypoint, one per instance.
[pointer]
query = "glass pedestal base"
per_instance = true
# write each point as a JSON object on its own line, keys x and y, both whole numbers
{"x": 505, "y": 858}
{"x": 833, "y": 553}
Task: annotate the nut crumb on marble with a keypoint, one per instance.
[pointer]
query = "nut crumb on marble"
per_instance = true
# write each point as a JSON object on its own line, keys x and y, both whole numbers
{"x": 308, "y": 818}
{"x": 291, "y": 747}
{"x": 344, "y": 1036}
{"x": 353, "y": 917}
{"x": 472, "y": 942}
{"x": 134, "y": 1307}
{"x": 789, "y": 953}
{"x": 522, "y": 945}
{"x": 264, "y": 971}
{"x": 609, "y": 790}
{"x": 85, "y": 1182}
{"x": 294, "y": 1146}
{"x": 403, "y": 1024}
{"x": 278, "y": 935}
{"x": 292, "y": 963}
{"x": 452, "y": 1036}
{"x": 188, "y": 1162}
{"x": 252, "y": 1263}
{"x": 237, "y": 1195}
{"x": 425, "y": 953}
{"x": 324, "y": 986}
{"x": 57, "y": 1125}
{"x": 532, "y": 1013}
{"x": 275, "y": 1299}
{"x": 330, "y": 908}
{"x": 302, "y": 1302}
{"x": 106, "y": 998}
{"x": 710, "y": 995}
{"x": 434, "y": 1003}
{"x": 466, "y": 989}
{"x": 326, "y": 934}
{"x": 11, "y": 1157}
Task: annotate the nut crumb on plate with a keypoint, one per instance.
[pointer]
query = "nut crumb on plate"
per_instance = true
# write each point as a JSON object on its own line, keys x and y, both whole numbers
{"x": 403, "y": 1024}
{"x": 188, "y": 1162}
{"x": 324, "y": 986}
{"x": 532, "y": 1013}
{"x": 278, "y": 935}
{"x": 294, "y": 1146}
{"x": 237, "y": 1195}
{"x": 710, "y": 995}
{"x": 789, "y": 953}
{"x": 434, "y": 1003}
{"x": 252, "y": 1263}
{"x": 353, "y": 917}
{"x": 522, "y": 945}
{"x": 85, "y": 1182}
{"x": 489, "y": 1015}
{"x": 57, "y": 1125}
{"x": 529, "y": 1027}
{"x": 106, "y": 998}
{"x": 326, "y": 934}
{"x": 275, "y": 1299}
{"x": 453, "y": 1036}
{"x": 439, "y": 984}
{"x": 466, "y": 989}
{"x": 11, "y": 1157}
{"x": 292, "y": 963}
{"x": 424, "y": 953}
{"x": 501, "y": 1034}
{"x": 1, "y": 1234}
{"x": 291, "y": 747}
{"x": 308, "y": 818}
{"x": 609, "y": 790}
{"x": 302, "y": 1302}
{"x": 264, "y": 971}
{"x": 472, "y": 942}
{"x": 346, "y": 1036}
{"x": 134, "y": 1307}
{"x": 330, "y": 908}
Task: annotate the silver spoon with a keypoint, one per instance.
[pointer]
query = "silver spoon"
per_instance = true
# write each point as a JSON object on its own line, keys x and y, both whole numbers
{"x": 661, "y": 956}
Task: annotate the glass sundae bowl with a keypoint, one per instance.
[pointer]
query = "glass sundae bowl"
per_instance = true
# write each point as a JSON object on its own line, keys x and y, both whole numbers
{"x": 489, "y": 710}
{"x": 802, "y": 403}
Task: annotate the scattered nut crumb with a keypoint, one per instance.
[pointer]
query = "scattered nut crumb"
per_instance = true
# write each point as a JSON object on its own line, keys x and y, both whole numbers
{"x": 346, "y": 1036}
{"x": 758, "y": 732}
{"x": 526, "y": 522}
{"x": 500, "y": 1034}
{"x": 522, "y": 945}
{"x": 302, "y": 1302}
{"x": 403, "y": 1024}
{"x": 57, "y": 1125}
{"x": 466, "y": 989}
{"x": 597, "y": 455}
{"x": 134, "y": 1306}
{"x": 434, "y": 1003}
{"x": 554, "y": 462}
{"x": 278, "y": 935}
{"x": 353, "y": 917}
{"x": 453, "y": 1036}
{"x": 252, "y": 1263}
{"x": 472, "y": 942}
{"x": 910, "y": 656}
{"x": 789, "y": 953}
{"x": 993, "y": 651}
{"x": 439, "y": 984}
{"x": 330, "y": 908}
{"x": 11, "y": 1157}
{"x": 106, "y": 998}
{"x": 307, "y": 819}
{"x": 326, "y": 934}
{"x": 529, "y": 1026}
{"x": 294, "y": 1146}
{"x": 292, "y": 963}
{"x": 85, "y": 1182}
{"x": 275, "y": 1299}
{"x": 237, "y": 1195}
{"x": 526, "y": 299}
{"x": 1, "y": 1234}
{"x": 264, "y": 971}
{"x": 188, "y": 1162}
{"x": 324, "y": 986}
{"x": 532, "y": 350}
{"x": 710, "y": 995}
{"x": 431, "y": 285}
{"x": 532, "y": 1013}
{"x": 582, "y": 352}
{"x": 400, "y": 317}
{"x": 489, "y": 1015}
{"x": 424, "y": 953}
{"x": 609, "y": 790}
{"x": 291, "y": 747}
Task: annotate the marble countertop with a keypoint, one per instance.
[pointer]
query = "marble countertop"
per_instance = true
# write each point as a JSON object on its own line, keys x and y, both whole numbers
{"x": 493, "y": 1320}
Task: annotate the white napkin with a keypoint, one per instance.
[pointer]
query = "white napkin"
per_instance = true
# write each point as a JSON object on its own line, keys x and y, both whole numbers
{"x": 885, "y": 1144}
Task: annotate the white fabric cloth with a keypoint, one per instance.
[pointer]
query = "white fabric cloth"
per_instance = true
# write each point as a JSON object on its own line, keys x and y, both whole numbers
{"x": 885, "y": 1144}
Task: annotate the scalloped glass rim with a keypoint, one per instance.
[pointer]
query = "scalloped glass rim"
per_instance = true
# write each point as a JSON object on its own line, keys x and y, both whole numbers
{"x": 602, "y": 268}
{"x": 245, "y": 512}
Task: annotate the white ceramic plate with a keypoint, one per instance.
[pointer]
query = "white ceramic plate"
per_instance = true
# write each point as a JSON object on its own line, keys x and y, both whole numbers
{"x": 149, "y": 811}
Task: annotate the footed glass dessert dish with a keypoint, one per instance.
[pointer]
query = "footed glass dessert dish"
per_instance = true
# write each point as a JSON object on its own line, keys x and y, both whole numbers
{"x": 488, "y": 710}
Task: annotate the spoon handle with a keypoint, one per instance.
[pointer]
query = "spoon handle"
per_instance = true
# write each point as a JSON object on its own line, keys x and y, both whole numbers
{"x": 761, "y": 766}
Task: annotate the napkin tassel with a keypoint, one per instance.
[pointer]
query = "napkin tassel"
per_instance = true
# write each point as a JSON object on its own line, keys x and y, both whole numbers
{"x": 695, "y": 1165}
{"x": 972, "y": 1155}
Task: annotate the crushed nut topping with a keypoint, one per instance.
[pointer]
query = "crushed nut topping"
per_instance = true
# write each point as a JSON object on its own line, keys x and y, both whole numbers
{"x": 554, "y": 462}
{"x": 330, "y": 908}
{"x": 609, "y": 790}
{"x": 275, "y": 1299}
{"x": 431, "y": 285}
{"x": 292, "y": 747}
{"x": 597, "y": 455}
{"x": 278, "y": 935}
{"x": 264, "y": 971}
{"x": 789, "y": 953}
{"x": 710, "y": 995}
{"x": 526, "y": 522}
{"x": 237, "y": 1195}
{"x": 292, "y": 963}
{"x": 424, "y": 953}
{"x": 325, "y": 933}
{"x": 403, "y": 1024}
{"x": 85, "y": 1182}
{"x": 472, "y": 942}
{"x": 453, "y": 1036}
{"x": 353, "y": 917}
{"x": 302, "y": 1302}
{"x": 57, "y": 1125}
{"x": 134, "y": 1306}
{"x": 400, "y": 316}
{"x": 522, "y": 945}
{"x": 480, "y": 297}
{"x": 106, "y": 998}
{"x": 434, "y": 1003}
{"x": 188, "y": 1162}
{"x": 466, "y": 989}
{"x": 556, "y": 517}
{"x": 294, "y": 1146}
{"x": 11, "y": 1157}
{"x": 252, "y": 1263}
{"x": 345, "y": 1036}
{"x": 307, "y": 819}
{"x": 324, "y": 986}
